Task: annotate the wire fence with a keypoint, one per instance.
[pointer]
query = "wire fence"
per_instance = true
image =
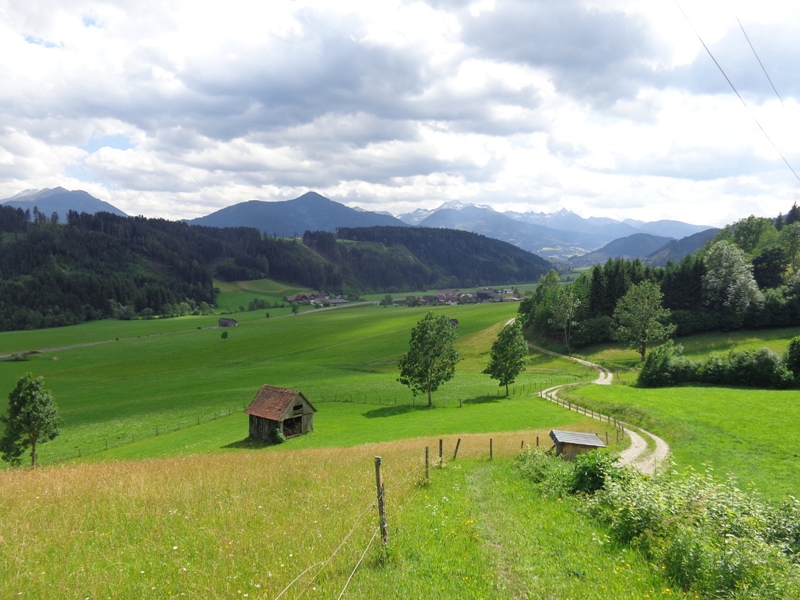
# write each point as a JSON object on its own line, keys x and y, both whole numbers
{"x": 101, "y": 445}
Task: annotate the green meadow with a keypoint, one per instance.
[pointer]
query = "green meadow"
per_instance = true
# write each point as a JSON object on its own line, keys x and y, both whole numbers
{"x": 198, "y": 511}
{"x": 159, "y": 494}
{"x": 150, "y": 382}
{"x": 748, "y": 433}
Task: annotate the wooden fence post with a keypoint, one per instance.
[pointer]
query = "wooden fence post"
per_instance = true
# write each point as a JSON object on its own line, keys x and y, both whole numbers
{"x": 427, "y": 465}
{"x": 458, "y": 443}
{"x": 381, "y": 502}
{"x": 440, "y": 453}
{"x": 490, "y": 449}
{"x": 537, "y": 441}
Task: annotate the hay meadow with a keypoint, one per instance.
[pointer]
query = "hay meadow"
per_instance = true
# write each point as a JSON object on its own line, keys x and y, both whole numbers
{"x": 153, "y": 491}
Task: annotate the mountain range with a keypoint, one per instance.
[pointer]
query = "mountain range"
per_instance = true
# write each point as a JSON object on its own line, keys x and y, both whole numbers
{"x": 562, "y": 236}
{"x": 60, "y": 201}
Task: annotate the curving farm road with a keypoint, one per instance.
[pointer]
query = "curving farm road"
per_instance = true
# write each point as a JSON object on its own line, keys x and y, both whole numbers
{"x": 636, "y": 454}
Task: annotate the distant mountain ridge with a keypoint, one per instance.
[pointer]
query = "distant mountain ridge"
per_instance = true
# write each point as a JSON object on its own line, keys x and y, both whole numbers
{"x": 559, "y": 236}
{"x": 676, "y": 250}
{"x": 638, "y": 245}
{"x": 60, "y": 201}
{"x": 309, "y": 212}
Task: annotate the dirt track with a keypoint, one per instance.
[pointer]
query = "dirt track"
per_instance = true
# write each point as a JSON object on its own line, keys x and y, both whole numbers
{"x": 637, "y": 454}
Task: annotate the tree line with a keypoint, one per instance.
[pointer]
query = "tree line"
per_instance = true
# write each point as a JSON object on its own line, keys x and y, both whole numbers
{"x": 108, "y": 266}
{"x": 747, "y": 277}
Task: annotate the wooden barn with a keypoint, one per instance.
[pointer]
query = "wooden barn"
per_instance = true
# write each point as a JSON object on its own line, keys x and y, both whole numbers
{"x": 226, "y": 322}
{"x": 570, "y": 444}
{"x": 279, "y": 408}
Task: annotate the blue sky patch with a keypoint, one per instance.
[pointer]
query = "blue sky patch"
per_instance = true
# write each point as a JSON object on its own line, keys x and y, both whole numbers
{"x": 120, "y": 142}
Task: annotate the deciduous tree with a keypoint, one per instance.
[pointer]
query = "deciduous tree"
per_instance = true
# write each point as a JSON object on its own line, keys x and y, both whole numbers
{"x": 507, "y": 356}
{"x": 432, "y": 356}
{"x": 728, "y": 282}
{"x": 32, "y": 419}
{"x": 565, "y": 311}
{"x": 640, "y": 317}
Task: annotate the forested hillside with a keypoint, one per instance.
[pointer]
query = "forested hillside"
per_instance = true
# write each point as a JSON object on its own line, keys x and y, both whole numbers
{"x": 103, "y": 265}
{"x": 461, "y": 258}
{"x": 748, "y": 276}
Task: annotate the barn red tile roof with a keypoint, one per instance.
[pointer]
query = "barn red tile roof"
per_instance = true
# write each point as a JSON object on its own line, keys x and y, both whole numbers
{"x": 271, "y": 402}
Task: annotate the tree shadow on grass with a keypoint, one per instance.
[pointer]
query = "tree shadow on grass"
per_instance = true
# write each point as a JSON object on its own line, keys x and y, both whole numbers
{"x": 249, "y": 443}
{"x": 393, "y": 411}
{"x": 487, "y": 399}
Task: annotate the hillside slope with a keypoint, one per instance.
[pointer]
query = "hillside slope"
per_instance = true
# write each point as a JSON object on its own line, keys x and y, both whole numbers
{"x": 102, "y": 265}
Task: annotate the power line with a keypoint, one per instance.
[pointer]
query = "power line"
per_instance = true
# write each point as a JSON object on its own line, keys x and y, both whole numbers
{"x": 759, "y": 61}
{"x": 733, "y": 87}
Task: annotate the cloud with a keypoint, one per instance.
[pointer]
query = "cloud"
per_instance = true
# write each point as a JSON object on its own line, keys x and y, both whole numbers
{"x": 178, "y": 108}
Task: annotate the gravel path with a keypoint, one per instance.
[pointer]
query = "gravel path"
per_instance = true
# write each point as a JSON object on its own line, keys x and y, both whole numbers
{"x": 636, "y": 454}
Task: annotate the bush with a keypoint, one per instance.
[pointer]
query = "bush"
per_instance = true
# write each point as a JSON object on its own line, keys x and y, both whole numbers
{"x": 590, "y": 471}
{"x": 666, "y": 366}
{"x": 758, "y": 368}
{"x": 550, "y": 474}
{"x": 276, "y": 435}
{"x": 709, "y": 536}
{"x": 791, "y": 359}
{"x": 715, "y": 370}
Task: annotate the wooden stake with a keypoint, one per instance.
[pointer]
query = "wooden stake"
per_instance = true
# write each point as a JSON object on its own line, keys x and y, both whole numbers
{"x": 440, "y": 453}
{"x": 381, "y": 502}
{"x": 427, "y": 464}
{"x": 458, "y": 443}
{"x": 491, "y": 454}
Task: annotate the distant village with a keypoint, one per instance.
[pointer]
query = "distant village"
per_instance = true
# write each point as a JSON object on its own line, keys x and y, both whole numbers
{"x": 441, "y": 297}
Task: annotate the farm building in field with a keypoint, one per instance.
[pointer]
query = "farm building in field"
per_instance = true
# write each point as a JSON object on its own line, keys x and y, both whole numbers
{"x": 226, "y": 322}
{"x": 570, "y": 444}
{"x": 279, "y": 408}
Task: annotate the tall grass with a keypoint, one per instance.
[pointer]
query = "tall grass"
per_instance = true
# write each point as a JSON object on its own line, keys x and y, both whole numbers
{"x": 247, "y": 524}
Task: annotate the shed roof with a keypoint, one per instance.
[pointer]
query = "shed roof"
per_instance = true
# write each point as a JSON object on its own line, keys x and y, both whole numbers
{"x": 271, "y": 402}
{"x": 573, "y": 437}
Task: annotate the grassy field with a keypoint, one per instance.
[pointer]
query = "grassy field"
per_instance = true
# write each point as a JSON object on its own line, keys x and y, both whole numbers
{"x": 119, "y": 392}
{"x": 199, "y": 511}
{"x": 253, "y": 524}
{"x": 746, "y": 432}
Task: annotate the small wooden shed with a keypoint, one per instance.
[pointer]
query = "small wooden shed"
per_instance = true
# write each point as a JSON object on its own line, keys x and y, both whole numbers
{"x": 227, "y": 322}
{"x": 279, "y": 408}
{"x": 570, "y": 444}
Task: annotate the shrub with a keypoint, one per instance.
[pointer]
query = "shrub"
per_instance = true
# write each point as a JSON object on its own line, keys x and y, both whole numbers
{"x": 590, "y": 471}
{"x": 791, "y": 359}
{"x": 276, "y": 435}
{"x": 709, "y": 536}
{"x": 715, "y": 370}
{"x": 666, "y": 366}
{"x": 757, "y": 368}
{"x": 541, "y": 467}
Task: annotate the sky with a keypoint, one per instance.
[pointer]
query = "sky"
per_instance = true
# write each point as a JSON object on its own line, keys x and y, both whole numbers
{"x": 607, "y": 108}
